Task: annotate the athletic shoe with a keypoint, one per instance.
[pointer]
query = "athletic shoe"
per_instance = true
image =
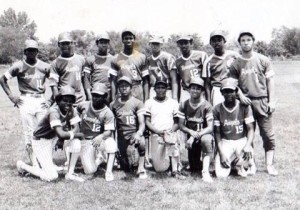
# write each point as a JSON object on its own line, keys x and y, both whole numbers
{"x": 252, "y": 170}
{"x": 241, "y": 171}
{"x": 20, "y": 169}
{"x": 143, "y": 175}
{"x": 206, "y": 177}
{"x": 74, "y": 177}
{"x": 109, "y": 176}
{"x": 178, "y": 175}
{"x": 271, "y": 170}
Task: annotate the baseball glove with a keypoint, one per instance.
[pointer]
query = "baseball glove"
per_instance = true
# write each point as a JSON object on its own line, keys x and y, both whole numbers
{"x": 170, "y": 137}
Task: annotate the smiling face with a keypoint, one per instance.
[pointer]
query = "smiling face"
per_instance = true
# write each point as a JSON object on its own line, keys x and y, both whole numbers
{"x": 195, "y": 91}
{"x": 65, "y": 103}
{"x": 246, "y": 42}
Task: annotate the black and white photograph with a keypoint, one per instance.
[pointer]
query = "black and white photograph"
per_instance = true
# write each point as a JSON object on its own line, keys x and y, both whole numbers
{"x": 149, "y": 104}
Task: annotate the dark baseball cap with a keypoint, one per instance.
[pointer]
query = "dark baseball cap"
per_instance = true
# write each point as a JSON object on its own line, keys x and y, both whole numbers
{"x": 125, "y": 79}
{"x": 161, "y": 80}
{"x": 197, "y": 81}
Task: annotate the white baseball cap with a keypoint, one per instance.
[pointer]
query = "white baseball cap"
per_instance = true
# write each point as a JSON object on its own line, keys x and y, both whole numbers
{"x": 229, "y": 83}
{"x": 99, "y": 88}
{"x": 217, "y": 33}
{"x": 156, "y": 39}
{"x": 184, "y": 37}
{"x": 103, "y": 35}
{"x": 31, "y": 44}
{"x": 65, "y": 37}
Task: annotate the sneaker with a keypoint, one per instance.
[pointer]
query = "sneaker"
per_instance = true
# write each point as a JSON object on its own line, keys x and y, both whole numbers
{"x": 109, "y": 176}
{"x": 143, "y": 175}
{"x": 20, "y": 169}
{"x": 178, "y": 175}
{"x": 206, "y": 177}
{"x": 59, "y": 168}
{"x": 252, "y": 170}
{"x": 74, "y": 177}
{"x": 241, "y": 171}
{"x": 271, "y": 170}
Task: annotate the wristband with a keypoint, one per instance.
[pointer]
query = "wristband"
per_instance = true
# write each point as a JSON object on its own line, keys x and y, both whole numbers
{"x": 71, "y": 135}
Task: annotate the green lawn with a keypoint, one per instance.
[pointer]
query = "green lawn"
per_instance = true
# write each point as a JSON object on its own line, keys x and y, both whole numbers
{"x": 160, "y": 191}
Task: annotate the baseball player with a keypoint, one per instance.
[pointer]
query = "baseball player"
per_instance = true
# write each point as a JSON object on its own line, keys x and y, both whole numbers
{"x": 132, "y": 64}
{"x": 62, "y": 122}
{"x": 162, "y": 65}
{"x": 129, "y": 114}
{"x": 161, "y": 118}
{"x": 256, "y": 82}
{"x": 67, "y": 68}
{"x": 196, "y": 120}
{"x": 189, "y": 65}
{"x": 98, "y": 66}
{"x": 97, "y": 125}
{"x": 234, "y": 132}
{"x": 217, "y": 66}
{"x": 31, "y": 74}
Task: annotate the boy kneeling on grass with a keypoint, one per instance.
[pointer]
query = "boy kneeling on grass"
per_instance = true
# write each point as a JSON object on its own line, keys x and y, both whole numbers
{"x": 234, "y": 133}
{"x": 60, "y": 122}
{"x": 196, "y": 120}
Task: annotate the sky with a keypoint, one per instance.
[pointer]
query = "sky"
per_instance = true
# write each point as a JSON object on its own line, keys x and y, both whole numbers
{"x": 162, "y": 17}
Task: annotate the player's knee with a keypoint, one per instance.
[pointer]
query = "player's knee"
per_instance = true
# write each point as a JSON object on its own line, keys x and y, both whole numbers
{"x": 142, "y": 147}
{"x": 207, "y": 143}
{"x": 110, "y": 145}
{"x": 90, "y": 170}
{"x": 75, "y": 146}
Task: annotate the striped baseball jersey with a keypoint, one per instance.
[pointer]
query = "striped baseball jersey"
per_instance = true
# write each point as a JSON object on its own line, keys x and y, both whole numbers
{"x": 132, "y": 66}
{"x": 217, "y": 67}
{"x": 190, "y": 67}
{"x": 195, "y": 117}
{"x": 126, "y": 114}
{"x": 232, "y": 122}
{"x": 162, "y": 113}
{"x": 52, "y": 119}
{"x": 95, "y": 122}
{"x": 160, "y": 67}
{"x": 252, "y": 74}
{"x": 67, "y": 71}
{"x": 99, "y": 67}
{"x": 31, "y": 78}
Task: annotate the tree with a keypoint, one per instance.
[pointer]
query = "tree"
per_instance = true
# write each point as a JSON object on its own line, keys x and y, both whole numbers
{"x": 261, "y": 47}
{"x": 15, "y": 29}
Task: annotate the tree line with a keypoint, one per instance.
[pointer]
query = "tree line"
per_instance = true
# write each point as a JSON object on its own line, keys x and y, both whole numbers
{"x": 15, "y": 28}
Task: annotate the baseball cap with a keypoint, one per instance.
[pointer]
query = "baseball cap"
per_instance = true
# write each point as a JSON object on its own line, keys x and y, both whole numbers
{"x": 184, "y": 37}
{"x": 126, "y": 79}
{"x": 229, "y": 83}
{"x": 102, "y": 36}
{"x": 31, "y": 44}
{"x": 65, "y": 37}
{"x": 156, "y": 39}
{"x": 130, "y": 31}
{"x": 66, "y": 91}
{"x": 243, "y": 32}
{"x": 197, "y": 81}
{"x": 217, "y": 33}
{"x": 100, "y": 89}
{"x": 161, "y": 80}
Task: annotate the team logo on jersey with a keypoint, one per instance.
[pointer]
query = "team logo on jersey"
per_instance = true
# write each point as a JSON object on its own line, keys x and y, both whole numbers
{"x": 31, "y": 76}
{"x": 90, "y": 119}
{"x": 188, "y": 67}
{"x": 231, "y": 122}
{"x": 195, "y": 119}
{"x": 72, "y": 69}
{"x": 102, "y": 67}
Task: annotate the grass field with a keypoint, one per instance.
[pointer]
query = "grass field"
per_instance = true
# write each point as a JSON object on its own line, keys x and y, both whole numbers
{"x": 159, "y": 191}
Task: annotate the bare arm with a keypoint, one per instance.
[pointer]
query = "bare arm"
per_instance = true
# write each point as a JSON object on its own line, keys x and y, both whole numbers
{"x": 174, "y": 84}
{"x": 65, "y": 135}
{"x": 207, "y": 85}
{"x": 224, "y": 162}
{"x": 271, "y": 93}
{"x": 250, "y": 136}
{"x": 146, "y": 87}
{"x": 87, "y": 86}
{"x": 113, "y": 87}
{"x": 15, "y": 99}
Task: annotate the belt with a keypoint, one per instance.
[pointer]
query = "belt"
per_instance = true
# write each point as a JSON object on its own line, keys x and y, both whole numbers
{"x": 33, "y": 95}
{"x": 258, "y": 98}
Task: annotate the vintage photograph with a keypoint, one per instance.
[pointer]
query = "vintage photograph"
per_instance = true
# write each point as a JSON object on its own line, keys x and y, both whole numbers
{"x": 148, "y": 104}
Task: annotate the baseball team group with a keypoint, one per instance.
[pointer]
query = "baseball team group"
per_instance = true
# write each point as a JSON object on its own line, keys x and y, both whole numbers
{"x": 140, "y": 113}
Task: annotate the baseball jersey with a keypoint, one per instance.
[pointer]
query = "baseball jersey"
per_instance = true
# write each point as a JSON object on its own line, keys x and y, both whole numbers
{"x": 67, "y": 71}
{"x": 99, "y": 67}
{"x": 53, "y": 118}
{"x": 162, "y": 113}
{"x": 195, "y": 117}
{"x": 31, "y": 78}
{"x": 132, "y": 66}
{"x": 217, "y": 67}
{"x": 160, "y": 67}
{"x": 126, "y": 114}
{"x": 95, "y": 122}
{"x": 232, "y": 122}
{"x": 252, "y": 74}
{"x": 190, "y": 67}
